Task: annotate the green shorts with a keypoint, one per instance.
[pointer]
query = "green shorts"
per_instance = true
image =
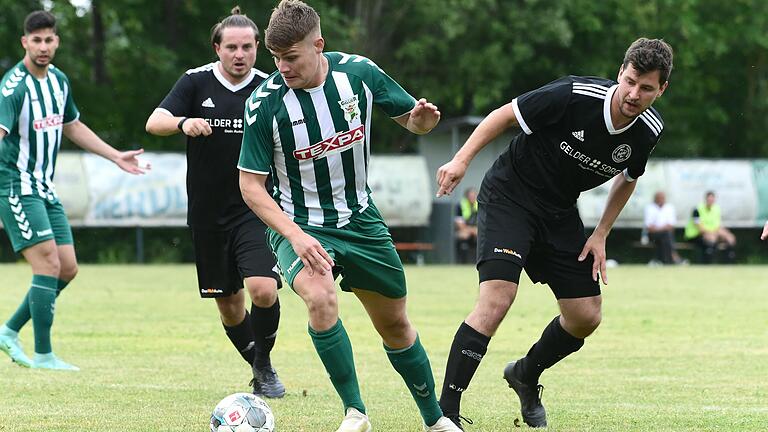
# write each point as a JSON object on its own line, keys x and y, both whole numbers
{"x": 30, "y": 220}
{"x": 362, "y": 250}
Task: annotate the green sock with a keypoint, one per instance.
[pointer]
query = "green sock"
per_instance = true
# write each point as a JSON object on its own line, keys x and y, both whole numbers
{"x": 335, "y": 351}
{"x": 412, "y": 364}
{"x": 23, "y": 314}
{"x": 42, "y": 301}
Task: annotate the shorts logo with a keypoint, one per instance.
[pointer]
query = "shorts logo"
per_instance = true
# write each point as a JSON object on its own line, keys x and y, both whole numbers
{"x": 293, "y": 265}
{"x": 211, "y": 291}
{"x": 351, "y": 108}
{"x": 336, "y": 144}
{"x": 45, "y": 233}
{"x": 20, "y": 216}
{"x": 506, "y": 251}
{"x": 621, "y": 153}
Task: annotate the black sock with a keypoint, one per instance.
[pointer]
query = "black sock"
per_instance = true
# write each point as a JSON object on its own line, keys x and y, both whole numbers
{"x": 264, "y": 322}
{"x": 468, "y": 348}
{"x": 554, "y": 345}
{"x": 241, "y": 337}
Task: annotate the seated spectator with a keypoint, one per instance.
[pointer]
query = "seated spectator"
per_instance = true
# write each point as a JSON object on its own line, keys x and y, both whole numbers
{"x": 465, "y": 223}
{"x": 705, "y": 227}
{"x": 659, "y": 222}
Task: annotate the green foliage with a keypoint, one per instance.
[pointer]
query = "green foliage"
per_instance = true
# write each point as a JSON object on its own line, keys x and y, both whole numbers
{"x": 679, "y": 349}
{"x": 468, "y": 56}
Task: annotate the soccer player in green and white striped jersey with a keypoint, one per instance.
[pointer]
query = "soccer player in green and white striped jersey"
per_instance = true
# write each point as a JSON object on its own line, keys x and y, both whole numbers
{"x": 36, "y": 107}
{"x": 309, "y": 125}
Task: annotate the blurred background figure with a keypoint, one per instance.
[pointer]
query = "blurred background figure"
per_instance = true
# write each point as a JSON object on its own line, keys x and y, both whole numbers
{"x": 705, "y": 227}
{"x": 659, "y": 222}
{"x": 466, "y": 227}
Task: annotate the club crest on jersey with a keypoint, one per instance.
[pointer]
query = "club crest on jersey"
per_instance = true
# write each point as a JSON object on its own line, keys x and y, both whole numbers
{"x": 621, "y": 153}
{"x": 351, "y": 108}
{"x": 59, "y": 96}
{"x": 335, "y": 144}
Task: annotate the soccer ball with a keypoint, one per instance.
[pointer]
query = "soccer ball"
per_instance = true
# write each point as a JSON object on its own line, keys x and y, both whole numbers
{"x": 242, "y": 412}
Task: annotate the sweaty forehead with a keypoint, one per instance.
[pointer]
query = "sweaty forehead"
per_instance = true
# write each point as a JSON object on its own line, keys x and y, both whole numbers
{"x": 238, "y": 35}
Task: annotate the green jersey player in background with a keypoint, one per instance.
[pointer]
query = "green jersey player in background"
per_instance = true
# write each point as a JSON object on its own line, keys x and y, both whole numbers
{"x": 309, "y": 125}
{"x": 36, "y": 106}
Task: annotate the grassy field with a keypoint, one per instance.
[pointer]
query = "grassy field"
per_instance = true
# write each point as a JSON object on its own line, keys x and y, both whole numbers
{"x": 680, "y": 349}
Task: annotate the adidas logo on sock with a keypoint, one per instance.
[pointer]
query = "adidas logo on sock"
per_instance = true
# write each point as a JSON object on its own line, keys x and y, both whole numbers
{"x": 579, "y": 135}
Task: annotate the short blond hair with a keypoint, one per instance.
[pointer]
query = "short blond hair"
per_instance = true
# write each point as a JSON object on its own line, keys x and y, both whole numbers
{"x": 291, "y": 21}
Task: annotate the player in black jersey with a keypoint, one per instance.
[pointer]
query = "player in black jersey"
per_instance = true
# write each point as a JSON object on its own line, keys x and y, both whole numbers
{"x": 578, "y": 132}
{"x": 207, "y": 104}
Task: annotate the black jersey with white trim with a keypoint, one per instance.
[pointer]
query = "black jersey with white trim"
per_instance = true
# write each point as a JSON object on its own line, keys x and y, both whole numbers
{"x": 569, "y": 145}
{"x": 213, "y": 185}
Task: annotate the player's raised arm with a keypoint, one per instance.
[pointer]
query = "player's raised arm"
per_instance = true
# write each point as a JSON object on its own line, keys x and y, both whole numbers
{"x": 449, "y": 175}
{"x": 84, "y": 137}
{"x": 162, "y": 123}
{"x": 421, "y": 119}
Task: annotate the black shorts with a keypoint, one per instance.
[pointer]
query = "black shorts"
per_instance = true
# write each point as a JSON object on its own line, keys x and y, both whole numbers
{"x": 511, "y": 238}
{"x": 224, "y": 258}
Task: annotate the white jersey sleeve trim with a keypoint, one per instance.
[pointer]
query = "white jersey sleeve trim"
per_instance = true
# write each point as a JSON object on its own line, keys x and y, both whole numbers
{"x": 73, "y": 120}
{"x": 407, "y": 112}
{"x": 260, "y": 73}
{"x": 252, "y": 171}
{"x": 519, "y": 117}
{"x": 628, "y": 177}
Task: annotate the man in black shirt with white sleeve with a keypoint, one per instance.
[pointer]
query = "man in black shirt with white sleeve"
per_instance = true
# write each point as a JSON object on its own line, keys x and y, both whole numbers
{"x": 578, "y": 133}
{"x": 207, "y": 105}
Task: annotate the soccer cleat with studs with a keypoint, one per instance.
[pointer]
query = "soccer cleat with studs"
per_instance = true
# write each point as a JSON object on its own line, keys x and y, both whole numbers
{"x": 457, "y": 420}
{"x": 534, "y": 414}
{"x": 12, "y": 347}
{"x": 444, "y": 424}
{"x": 355, "y": 421}
{"x": 51, "y": 362}
{"x": 266, "y": 383}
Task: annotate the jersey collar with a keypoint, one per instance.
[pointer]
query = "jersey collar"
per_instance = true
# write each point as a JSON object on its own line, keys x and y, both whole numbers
{"x": 231, "y": 87}
{"x": 607, "y": 113}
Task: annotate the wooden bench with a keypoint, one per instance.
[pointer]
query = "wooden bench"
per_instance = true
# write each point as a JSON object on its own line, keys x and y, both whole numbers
{"x": 417, "y": 248}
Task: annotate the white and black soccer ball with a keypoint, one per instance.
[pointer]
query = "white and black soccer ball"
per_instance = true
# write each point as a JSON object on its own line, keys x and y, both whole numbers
{"x": 242, "y": 412}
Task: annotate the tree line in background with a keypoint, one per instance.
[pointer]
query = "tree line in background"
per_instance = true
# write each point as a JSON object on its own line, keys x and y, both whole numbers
{"x": 467, "y": 56}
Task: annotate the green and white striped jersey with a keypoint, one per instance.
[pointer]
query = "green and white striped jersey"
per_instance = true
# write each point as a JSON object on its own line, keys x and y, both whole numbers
{"x": 32, "y": 113}
{"x": 316, "y": 142}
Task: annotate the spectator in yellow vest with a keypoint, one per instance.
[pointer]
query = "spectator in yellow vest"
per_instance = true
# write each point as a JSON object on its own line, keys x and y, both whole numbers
{"x": 466, "y": 227}
{"x": 706, "y": 227}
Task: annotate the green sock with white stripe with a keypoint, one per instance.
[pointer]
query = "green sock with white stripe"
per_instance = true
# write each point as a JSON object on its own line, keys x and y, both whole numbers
{"x": 413, "y": 365}
{"x": 42, "y": 301}
{"x": 23, "y": 314}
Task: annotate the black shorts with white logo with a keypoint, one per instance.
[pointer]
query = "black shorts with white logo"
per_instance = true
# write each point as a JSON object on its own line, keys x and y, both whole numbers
{"x": 224, "y": 258}
{"x": 511, "y": 238}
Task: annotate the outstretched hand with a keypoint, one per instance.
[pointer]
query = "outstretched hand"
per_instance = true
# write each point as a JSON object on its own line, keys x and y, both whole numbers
{"x": 764, "y": 235}
{"x": 130, "y": 163}
{"x": 424, "y": 117}
{"x": 595, "y": 245}
{"x": 449, "y": 176}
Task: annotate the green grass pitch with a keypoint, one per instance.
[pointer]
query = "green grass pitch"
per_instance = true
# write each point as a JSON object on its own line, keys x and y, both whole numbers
{"x": 679, "y": 349}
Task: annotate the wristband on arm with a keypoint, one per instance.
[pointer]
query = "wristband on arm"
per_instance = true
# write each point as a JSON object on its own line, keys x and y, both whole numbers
{"x": 181, "y": 123}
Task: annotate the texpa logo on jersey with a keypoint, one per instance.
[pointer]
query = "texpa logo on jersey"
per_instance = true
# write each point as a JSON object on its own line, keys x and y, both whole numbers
{"x": 50, "y": 121}
{"x": 335, "y": 144}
